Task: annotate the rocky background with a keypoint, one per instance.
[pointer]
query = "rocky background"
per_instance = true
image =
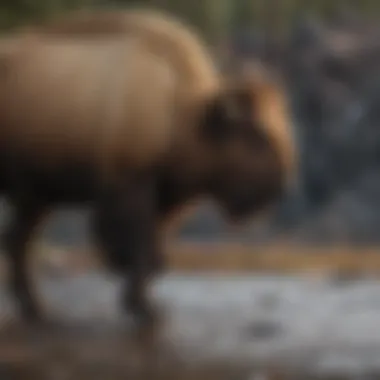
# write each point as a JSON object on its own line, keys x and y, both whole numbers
{"x": 332, "y": 71}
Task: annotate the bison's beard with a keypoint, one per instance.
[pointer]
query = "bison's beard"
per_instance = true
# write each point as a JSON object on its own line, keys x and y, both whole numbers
{"x": 241, "y": 210}
{"x": 242, "y": 202}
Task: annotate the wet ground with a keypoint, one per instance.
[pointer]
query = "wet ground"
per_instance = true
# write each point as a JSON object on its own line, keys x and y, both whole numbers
{"x": 213, "y": 327}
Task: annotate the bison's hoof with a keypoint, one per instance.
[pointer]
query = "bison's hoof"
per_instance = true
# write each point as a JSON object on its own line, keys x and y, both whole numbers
{"x": 144, "y": 313}
{"x": 45, "y": 325}
{"x": 40, "y": 324}
{"x": 30, "y": 314}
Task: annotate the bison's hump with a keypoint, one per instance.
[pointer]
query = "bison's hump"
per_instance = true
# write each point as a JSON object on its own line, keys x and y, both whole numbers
{"x": 95, "y": 98}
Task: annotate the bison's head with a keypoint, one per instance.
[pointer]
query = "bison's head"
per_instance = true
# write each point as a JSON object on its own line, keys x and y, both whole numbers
{"x": 248, "y": 131}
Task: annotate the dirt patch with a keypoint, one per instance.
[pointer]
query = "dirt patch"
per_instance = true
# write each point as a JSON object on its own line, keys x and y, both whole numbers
{"x": 344, "y": 261}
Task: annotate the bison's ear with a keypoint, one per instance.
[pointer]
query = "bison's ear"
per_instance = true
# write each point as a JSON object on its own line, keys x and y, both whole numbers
{"x": 226, "y": 115}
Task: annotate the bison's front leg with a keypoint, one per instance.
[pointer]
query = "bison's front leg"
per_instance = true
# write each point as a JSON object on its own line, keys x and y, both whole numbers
{"x": 125, "y": 228}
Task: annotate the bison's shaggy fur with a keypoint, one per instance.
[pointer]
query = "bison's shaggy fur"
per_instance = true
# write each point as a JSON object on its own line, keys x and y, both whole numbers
{"x": 127, "y": 113}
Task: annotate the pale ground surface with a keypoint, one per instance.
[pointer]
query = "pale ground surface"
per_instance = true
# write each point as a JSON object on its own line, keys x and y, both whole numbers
{"x": 304, "y": 323}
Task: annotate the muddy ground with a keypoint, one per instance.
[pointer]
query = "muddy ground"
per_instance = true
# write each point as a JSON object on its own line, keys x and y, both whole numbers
{"x": 216, "y": 327}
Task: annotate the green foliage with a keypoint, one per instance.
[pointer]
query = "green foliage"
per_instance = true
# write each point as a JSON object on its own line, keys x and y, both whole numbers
{"x": 17, "y": 12}
{"x": 215, "y": 18}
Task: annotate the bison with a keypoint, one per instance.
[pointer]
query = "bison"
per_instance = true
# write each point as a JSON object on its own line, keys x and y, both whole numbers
{"x": 128, "y": 114}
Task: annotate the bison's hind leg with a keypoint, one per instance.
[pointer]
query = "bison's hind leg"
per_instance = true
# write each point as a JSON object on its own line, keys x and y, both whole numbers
{"x": 17, "y": 234}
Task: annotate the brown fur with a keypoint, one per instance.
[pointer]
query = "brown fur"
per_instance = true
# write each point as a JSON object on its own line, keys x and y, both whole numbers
{"x": 167, "y": 36}
{"x": 145, "y": 106}
{"x": 93, "y": 93}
